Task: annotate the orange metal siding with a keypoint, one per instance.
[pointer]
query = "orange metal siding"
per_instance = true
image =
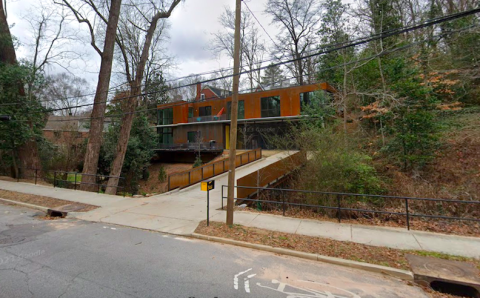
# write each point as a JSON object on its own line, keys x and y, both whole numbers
{"x": 289, "y": 102}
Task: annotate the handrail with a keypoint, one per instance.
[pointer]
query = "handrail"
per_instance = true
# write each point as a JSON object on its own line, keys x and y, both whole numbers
{"x": 338, "y": 196}
{"x": 212, "y": 169}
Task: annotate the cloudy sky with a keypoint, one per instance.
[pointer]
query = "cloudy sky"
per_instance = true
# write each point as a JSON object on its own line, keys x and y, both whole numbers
{"x": 192, "y": 26}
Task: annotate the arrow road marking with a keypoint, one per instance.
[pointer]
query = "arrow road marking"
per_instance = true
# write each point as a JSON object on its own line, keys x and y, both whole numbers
{"x": 247, "y": 282}
{"x": 235, "y": 278}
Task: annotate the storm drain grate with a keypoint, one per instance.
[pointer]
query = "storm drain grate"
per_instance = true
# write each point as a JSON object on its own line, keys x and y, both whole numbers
{"x": 56, "y": 213}
{"x": 450, "y": 277}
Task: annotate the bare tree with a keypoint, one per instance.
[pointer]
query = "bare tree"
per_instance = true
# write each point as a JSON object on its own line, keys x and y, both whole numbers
{"x": 50, "y": 38}
{"x": 298, "y": 21}
{"x": 90, "y": 12}
{"x": 64, "y": 92}
{"x": 138, "y": 18}
{"x": 252, "y": 49}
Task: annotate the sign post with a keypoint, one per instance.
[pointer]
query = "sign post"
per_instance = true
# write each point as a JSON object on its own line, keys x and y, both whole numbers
{"x": 207, "y": 186}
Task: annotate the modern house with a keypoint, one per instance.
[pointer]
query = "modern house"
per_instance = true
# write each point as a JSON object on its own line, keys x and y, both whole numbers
{"x": 204, "y": 124}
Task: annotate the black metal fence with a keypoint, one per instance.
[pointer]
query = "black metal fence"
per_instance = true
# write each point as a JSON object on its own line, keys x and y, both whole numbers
{"x": 341, "y": 205}
{"x": 65, "y": 179}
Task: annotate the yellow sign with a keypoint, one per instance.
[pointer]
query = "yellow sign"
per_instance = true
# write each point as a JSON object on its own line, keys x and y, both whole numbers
{"x": 208, "y": 185}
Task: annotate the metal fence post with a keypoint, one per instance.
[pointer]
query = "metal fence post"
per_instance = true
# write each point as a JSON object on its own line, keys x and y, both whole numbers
{"x": 222, "y": 197}
{"x": 54, "y": 178}
{"x": 168, "y": 183}
{"x": 408, "y": 213}
{"x": 208, "y": 208}
{"x": 98, "y": 183}
{"x": 224, "y": 165}
{"x": 36, "y": 174}
{"x": 338, "y": 209}
{"x": 202, "y": 172}
{"x": 189, "y": 177}
{"x": 283, "y": 198}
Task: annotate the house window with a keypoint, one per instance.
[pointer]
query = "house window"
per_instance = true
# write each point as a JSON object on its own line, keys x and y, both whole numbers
{"x": 241, "y": 110}
{"x": 165, "y": 135}
{"x": 202, "y": 96}
{"x": 165, "y": 116}
{"x": 270, "y": 106}
{"x": 205, "y": 111}
{"x": 57, "y": 134}
{"x": 194, "y": 136}
{"x": 190, "y": 112}
{"x": 305, "y": 100}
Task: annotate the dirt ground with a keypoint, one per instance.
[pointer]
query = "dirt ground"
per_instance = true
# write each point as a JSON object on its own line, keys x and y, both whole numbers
{"x": 153, "y": 184}
{"x": 42, "y": 201}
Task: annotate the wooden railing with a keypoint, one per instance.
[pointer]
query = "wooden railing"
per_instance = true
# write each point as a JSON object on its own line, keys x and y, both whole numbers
{"x": 209, "y": 170}
{"x": 268, "y": 174}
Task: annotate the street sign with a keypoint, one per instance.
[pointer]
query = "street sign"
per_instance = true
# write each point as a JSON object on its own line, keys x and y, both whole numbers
{"x": 207, "y": 185}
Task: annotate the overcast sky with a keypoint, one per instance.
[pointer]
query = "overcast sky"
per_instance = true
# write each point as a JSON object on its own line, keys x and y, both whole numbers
{"x": 192, "y": 25}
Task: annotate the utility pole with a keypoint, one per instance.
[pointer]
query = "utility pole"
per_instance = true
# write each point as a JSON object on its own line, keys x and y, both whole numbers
{"x": 233, "y": 122}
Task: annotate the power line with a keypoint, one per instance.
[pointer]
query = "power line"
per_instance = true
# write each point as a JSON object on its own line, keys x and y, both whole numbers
{"x": 359, "y": 41}
{"x": 387, "y": 52}
{"x": 255, "y": 17}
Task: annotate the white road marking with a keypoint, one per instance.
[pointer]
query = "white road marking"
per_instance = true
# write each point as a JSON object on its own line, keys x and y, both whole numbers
{"x": 235, "y": 278}
{"x": 247, "y": 282}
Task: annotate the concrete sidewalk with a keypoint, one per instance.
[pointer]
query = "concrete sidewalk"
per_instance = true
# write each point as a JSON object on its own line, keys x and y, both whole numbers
{"x": 77, "y": 196}
{"x": 399, "y": 238}
{"x": 176, "y": 212}
{"x": 180, "y": 212}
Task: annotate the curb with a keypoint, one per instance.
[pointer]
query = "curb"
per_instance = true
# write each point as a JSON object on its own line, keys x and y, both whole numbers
{"x": 397, "y": 273}
{"x": 45, "y": 209}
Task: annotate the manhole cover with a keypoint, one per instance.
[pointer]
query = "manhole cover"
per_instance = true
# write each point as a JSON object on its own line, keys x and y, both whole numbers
{"x": 445, "y": 269}
{"x": 11, "y": 240}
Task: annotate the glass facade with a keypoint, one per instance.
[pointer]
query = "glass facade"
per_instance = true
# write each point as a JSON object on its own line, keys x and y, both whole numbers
{"x": 270, "y": 106}
{"x": 194, "y": 136}
{"x": 205, "y": 111}
{"x": 241, "y": 110}
{"x": 165, "y": 134}
{"x": 305, "y": 100}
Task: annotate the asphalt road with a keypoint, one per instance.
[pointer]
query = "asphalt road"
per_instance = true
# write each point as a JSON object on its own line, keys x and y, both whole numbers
{"x": 72, "y": 258}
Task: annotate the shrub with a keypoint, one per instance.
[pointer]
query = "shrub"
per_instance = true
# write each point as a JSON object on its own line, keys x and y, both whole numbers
{"x": 198, "y": 162}
{"x": 162, "y": 175}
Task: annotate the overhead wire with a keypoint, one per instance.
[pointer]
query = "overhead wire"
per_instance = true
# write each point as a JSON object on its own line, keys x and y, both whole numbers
{"x": 386, "y": 52}
{"x": 324, "y": 51}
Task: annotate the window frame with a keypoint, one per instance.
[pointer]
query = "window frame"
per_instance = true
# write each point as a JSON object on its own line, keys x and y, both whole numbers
{"x": 240, "y": 112}
{"x": 267, "y": 110}
{"x": 204, "y": 109}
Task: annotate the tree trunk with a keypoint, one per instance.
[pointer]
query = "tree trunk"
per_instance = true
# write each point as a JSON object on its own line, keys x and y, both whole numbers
{"x": 27, "y": 152}
{"x": 135, "y": 91}
{"x": 122, "y": 144}
{"x": 92, "y": 154}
